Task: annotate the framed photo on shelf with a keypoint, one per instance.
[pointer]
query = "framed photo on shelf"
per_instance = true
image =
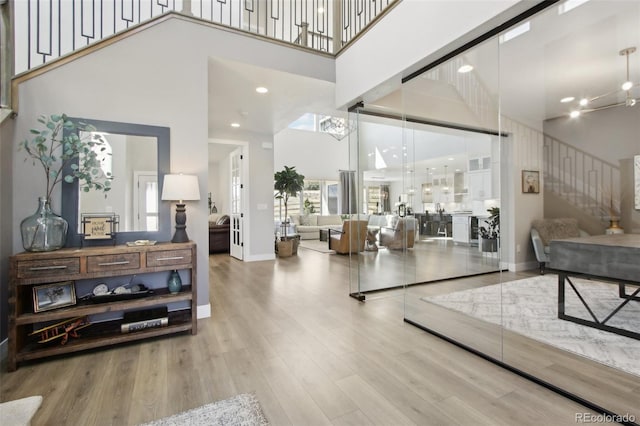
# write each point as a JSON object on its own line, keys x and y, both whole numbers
{"x": 530, "y": 181}
{"x": 99, "y": 226}
{"x": 53, "y": 296}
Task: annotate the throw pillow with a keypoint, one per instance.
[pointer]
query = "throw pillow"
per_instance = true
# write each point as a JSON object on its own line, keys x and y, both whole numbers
{"x": 223, "y": 220}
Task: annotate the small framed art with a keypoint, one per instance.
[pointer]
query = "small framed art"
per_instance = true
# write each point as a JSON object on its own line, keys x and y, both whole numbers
{"x": 53, "y": 296}
{"x": 530, "y": 182}
{"x": 99, "y": 226}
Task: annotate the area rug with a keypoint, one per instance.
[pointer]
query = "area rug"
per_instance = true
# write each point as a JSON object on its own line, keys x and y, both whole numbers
{"x": 530, "y": 307}
{"x": 316, "y": 245}
{"x": 240, "y": 410}
{"x": 20, "y": 411}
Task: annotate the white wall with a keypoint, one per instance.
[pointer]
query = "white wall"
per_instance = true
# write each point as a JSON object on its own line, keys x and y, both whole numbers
{"x": 522, "y": 150}
{"x": 414, "y": 33}
{"x": 160, "y": 79}
{"x": 315, "y": 155}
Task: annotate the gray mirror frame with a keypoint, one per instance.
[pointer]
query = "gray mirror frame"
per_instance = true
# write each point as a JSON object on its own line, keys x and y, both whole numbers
{"x": 70, "y": 191}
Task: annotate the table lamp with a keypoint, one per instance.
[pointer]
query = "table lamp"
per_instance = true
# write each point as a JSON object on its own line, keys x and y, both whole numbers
{"x": 180, "y": 188}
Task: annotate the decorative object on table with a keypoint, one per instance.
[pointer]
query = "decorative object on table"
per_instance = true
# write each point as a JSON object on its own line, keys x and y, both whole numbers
{"x": 180, "y": 188}
{"x": 53, "y": 296}
{"x": 102, "y": 294}
{"x": 44, "y": 230}
{"x": 610, "y": 209}
{"x": 145, "y": 318}
{"x": 530, "y": 182}
{"x": 99, "y": 226}
{"x": 138, "y": 243}
{"x": 212, "y": 206}
{"x": 174, "y": 284}
{"x": 489, "y": 235}
{"x": 61, "y": 330}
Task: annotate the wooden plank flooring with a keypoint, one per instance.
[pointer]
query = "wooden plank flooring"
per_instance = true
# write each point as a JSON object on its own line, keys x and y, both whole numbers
{"x": 287, "y": 331}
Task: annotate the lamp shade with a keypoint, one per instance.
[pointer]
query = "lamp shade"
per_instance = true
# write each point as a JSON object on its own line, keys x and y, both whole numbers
{"x": 180, "y": 187}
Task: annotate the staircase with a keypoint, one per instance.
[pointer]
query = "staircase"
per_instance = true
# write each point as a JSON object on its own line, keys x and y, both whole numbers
{"x": 583, "y": 181}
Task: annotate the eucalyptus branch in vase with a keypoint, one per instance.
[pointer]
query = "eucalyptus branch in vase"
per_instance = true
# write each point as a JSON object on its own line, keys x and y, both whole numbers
{"x": 64, "y": 156}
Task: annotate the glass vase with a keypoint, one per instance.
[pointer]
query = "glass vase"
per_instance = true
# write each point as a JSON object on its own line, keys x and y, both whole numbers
{"x": 174, "y": 284}
{"x": 44, "y": 230}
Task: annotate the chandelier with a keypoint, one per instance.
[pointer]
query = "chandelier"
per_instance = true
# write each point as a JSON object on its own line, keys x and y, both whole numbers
{"x": 585, "y": 104}
{"x": 337, "y": 127}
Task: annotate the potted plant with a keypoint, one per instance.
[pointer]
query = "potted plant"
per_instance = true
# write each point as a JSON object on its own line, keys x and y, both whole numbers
{"x": 288, "y": 183}
{"x": 489, "y": 235}
{"x": 57, "y": 147}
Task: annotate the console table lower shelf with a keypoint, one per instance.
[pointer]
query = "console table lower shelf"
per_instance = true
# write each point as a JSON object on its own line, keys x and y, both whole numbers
{"x": 105, "y": 334}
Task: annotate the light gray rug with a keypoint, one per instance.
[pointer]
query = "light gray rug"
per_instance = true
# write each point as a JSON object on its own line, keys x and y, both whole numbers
{"x": 316, "y": 245}
{"x": 240, "y": 410}
{"x": 20, "y": 411}
{"x": 530, "y": 307}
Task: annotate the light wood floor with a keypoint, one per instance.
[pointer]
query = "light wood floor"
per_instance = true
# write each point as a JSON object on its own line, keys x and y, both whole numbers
{"x": 287, "y": 331}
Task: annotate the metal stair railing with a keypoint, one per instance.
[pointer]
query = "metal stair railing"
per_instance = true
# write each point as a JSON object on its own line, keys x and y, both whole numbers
{"x": 583, "y": 180}
{"x": 48, "y": 29}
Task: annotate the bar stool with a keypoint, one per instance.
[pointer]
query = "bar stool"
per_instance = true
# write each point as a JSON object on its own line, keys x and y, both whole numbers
{"x": 442, "y": 229}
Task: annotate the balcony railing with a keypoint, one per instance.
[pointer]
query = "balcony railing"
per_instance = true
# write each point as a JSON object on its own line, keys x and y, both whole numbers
{"x": 47, "y": 29}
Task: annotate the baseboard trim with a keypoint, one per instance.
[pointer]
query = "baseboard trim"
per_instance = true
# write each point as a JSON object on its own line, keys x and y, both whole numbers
{"x": 573, "y": 397}
{"x": 204, "y": 311}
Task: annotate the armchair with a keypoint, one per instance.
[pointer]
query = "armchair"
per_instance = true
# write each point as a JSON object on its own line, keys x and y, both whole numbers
{"x": 400, "y": 236}
{"x": 351, "y": 239}
{"x": 219, "y": 234}
{"x": 545, "y": 230}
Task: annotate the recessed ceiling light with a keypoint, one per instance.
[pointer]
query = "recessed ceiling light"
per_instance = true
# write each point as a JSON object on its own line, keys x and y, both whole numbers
{"x": 627, "y": 85}
{"x": 567, "y": 99}
{"x": 569, "y": 5}
{"x": 450, "y": 158}
{"x": 515, "y": 32}
{"x": 584, "y": 102}
{"x": 574, "y": 114}
{"x": 261, "y": 89}
{"x": 235, "y": 124}
{"x": 465, "y": 68}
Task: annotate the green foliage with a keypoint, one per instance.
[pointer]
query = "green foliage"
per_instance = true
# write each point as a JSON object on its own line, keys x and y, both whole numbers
{"x": 492, "y": 231}
{"x": 55, "y": 151}
{"x": 288, "y": 183}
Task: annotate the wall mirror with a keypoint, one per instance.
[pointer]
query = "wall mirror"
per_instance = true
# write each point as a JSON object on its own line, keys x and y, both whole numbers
{"x": 138, "y": 160}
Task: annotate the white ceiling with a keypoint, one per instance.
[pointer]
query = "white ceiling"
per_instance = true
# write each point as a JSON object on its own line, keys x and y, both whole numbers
{"x": 574, "y": 54}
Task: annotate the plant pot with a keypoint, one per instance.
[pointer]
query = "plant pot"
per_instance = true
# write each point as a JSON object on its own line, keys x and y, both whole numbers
{"x": 285, "y": 248}
{"x": 489, "y": 245}
{"x": 43, "y": 230}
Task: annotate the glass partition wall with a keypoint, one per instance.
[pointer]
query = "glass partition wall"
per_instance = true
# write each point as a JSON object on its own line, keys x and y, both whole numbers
{"x": 490, "y": 134}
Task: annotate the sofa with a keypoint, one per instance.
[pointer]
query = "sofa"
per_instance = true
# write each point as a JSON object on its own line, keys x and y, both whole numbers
{"x": 219, "y": 233}
{"x": 309, "y": 226}
{"x": 545, "y": 230}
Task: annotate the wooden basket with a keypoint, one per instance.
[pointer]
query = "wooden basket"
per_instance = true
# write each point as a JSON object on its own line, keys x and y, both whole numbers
{"x": 285, "y": 248}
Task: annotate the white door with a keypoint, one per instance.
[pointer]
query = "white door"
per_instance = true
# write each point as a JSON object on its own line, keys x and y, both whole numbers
{"x": 145, "y": 201}
{"x": 237, "y": 215}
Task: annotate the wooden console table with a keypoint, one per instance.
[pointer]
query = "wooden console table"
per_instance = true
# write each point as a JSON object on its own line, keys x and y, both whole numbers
{"x": 29, "y": 270}
{"x": 609, "y": 258}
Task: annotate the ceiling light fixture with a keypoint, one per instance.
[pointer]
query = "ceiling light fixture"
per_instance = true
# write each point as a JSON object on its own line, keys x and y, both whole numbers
{"x": 627, "y": 87}
{"x": 235, "y": 124}
{"x": 262, "y": 90}
{"x": 567, "y": 99}
{"x": 465, "y": 68}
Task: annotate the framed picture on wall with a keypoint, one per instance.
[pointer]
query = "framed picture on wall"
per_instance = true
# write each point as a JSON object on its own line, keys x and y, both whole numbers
{"x": 530, "y": 182}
